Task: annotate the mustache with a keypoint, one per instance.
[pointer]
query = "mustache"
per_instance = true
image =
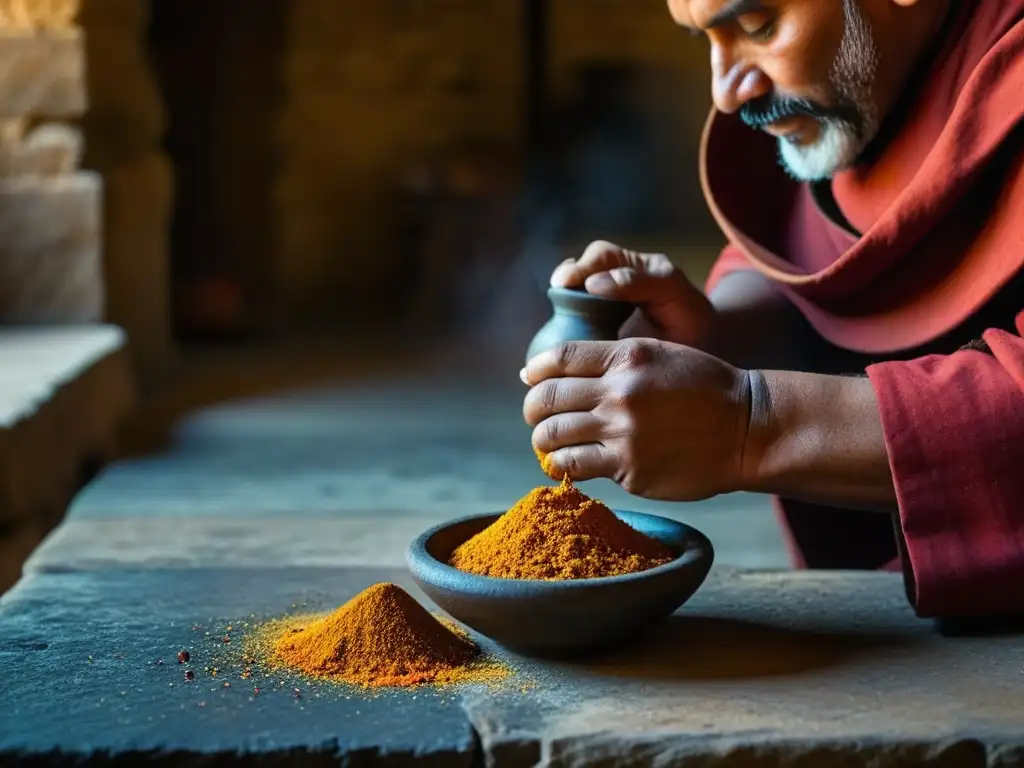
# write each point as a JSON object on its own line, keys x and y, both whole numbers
{"x": 770, "y": 109}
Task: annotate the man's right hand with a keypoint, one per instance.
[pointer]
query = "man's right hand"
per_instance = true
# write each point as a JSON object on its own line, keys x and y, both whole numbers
{"x": 671, "y": 308}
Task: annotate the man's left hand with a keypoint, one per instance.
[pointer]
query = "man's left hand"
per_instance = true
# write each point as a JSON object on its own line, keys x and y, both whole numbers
{"x": 662, "y": 420}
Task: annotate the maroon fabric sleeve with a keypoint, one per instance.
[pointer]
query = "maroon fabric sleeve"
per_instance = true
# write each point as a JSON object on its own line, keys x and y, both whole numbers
{"x": 954, "y": 431}
{"x": 731, "y": 259}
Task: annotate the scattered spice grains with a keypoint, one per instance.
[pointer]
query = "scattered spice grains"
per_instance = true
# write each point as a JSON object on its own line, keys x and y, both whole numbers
{"x": 190, "y": 675}
{"x": 381, "y": 638}
{"x": 183, "y": 657}
{"x": 557, "y": 533}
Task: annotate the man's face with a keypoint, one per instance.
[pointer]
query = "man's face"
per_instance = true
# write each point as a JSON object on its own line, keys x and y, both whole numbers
{"x": 804, "y": 71}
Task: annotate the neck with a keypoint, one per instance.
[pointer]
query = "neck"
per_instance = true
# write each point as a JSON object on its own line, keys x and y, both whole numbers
{"x": 943, "y": 17}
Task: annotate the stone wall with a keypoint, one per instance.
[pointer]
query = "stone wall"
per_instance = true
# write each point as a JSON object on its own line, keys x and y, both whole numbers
{"x": 374, "y": 90}
{"x": 297, "y": 128}
{"x": 124, "y": 131}
{"x": 50, "y": 270}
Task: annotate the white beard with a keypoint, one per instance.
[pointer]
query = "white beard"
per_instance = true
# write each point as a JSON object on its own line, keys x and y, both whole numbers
{"x": 839, "y": 143}
{"x": 838, "y": 146}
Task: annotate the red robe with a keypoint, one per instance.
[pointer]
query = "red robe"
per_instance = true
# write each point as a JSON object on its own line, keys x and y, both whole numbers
{"x": 934, "y": 260}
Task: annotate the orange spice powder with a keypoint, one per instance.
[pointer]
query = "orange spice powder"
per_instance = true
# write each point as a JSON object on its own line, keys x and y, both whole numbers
{"x": 383, "y": 637}
{"x": 559, "y": 532}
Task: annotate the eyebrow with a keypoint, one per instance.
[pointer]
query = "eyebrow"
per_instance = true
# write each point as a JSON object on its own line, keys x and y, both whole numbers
{"x": 732, "y": 10}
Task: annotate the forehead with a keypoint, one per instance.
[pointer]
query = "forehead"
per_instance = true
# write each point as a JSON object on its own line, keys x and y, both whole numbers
{"x": 697, "y": 13}
{"x": 680, "y": 10}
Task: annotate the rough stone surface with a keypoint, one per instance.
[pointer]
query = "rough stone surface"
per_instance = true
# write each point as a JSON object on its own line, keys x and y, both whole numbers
{"x": 42, "y": 72}
{"x": 769, "y": 669}
{"x": 759, "y": 669}
{"x": 388, "y": 447}
{"x": 173, "y": 542}
{"x": 123, "y": 703}
{"x": 50, "y": 249}
{"x": 63, "y": 392}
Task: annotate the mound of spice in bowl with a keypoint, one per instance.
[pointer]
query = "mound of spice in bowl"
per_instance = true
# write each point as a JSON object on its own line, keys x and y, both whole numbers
{"x": 382, "y": 638}
{"x": 558, "y": 533}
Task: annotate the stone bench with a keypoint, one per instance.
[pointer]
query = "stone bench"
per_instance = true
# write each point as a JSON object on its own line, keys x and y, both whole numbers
{"x": 63, "y": 393}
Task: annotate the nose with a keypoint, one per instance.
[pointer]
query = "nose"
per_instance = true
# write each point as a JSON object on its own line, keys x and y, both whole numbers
{"x": 735, "y": 82}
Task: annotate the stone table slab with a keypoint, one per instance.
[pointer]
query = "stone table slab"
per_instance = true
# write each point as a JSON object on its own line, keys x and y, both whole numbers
{"x": 81, "y": 675}
{"x": 357, "y": 540}
{"x": 392, "y": 448}
{"x": 759, "y": 669}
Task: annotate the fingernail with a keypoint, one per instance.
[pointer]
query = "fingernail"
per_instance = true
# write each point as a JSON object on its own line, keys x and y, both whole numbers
{"x": 522, "y": 376}
{"x": 601, "y": 283}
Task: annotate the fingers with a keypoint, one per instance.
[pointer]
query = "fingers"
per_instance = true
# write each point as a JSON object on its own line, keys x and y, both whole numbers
{"x": 586, "y": 359}
{"x": 568, "y": 274}
{"x": 607, "y": 270}
{"x": 567, "y": 429}
{"x": 599, "y": 256}
{"x": 561, "y": 395}
{"x": 582, "y": 462}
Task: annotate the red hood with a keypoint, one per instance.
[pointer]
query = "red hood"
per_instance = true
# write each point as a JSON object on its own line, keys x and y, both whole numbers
{"x": 935, "y": 206}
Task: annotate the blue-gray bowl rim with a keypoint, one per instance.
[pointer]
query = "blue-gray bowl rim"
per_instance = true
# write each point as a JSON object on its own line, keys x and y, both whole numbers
{"x": 424, "y": 566}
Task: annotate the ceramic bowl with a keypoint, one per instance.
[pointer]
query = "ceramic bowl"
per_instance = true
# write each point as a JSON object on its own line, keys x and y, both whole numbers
{"x": 561, "y": 618}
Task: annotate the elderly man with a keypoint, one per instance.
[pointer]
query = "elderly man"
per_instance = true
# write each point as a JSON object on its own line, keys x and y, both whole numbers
{"x": 858, "y": 350}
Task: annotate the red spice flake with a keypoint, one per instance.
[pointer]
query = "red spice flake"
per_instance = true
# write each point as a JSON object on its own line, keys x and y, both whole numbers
{"x": 190, "y": 675}
{"x": 256, "y": 690}
{"x": 183, "y": 657}
{"x": 226, "y": 639}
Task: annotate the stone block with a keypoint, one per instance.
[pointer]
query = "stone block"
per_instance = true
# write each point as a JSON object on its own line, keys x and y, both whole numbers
{"x": 138, "y": 197}
{"x": 31, "y": 14}
{"x": 88, "y": 685}
{"x": 51, "y": 149}
{"x": 63, "y": 394}
{"x": 42, "y": 73}
{"x": 50, "y": 270}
